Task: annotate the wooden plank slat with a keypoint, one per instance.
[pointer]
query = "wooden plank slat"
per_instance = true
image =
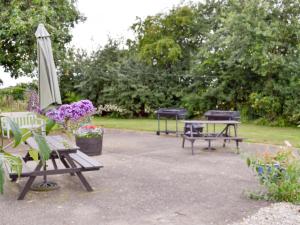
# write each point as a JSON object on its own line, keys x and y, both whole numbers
{"x": 212, "y": 121}
{"x": 53, "y": 144}
{"x": 56, "y": 143}
{"x": 62, "y": 143}
{"x": 82, "y": 162}
{"x": 88, "y": 158}
{"x": 214, "y": 138}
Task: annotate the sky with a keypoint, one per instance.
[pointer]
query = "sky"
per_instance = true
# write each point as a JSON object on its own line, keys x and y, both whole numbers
{"x": 105, "y": 19}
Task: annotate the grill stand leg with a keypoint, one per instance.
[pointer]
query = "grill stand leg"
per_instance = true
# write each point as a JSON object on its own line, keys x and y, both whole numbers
{"x": 176, "y": 126}
{"x": 158, "y": 125}
{"x": 166, "y": 125}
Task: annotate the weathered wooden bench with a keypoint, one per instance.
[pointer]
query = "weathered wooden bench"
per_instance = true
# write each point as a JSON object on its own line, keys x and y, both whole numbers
{"x": 25, "y": 120}
{"x": 210, "y": 139}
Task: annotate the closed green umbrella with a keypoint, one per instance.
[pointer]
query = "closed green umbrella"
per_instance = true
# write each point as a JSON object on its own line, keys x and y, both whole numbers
{"x": 49, "y": 92}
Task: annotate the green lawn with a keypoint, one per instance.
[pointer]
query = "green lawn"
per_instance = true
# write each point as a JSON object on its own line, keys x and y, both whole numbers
{"x": 253, "y": 133}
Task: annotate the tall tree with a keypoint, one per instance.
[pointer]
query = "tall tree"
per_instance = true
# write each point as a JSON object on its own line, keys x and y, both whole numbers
{"x": 252, "y": 57}
{"x": 19, "y": 20}
{"x": 168, "y": 40}
{"x": 100, "y": 71}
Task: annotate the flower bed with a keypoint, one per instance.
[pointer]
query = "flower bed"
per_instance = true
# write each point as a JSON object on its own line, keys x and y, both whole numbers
{"x": 279, "y": 173}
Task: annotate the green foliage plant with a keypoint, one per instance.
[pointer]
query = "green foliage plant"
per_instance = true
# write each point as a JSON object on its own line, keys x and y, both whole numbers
{"x": 279, "y": 173}
{"x": 228, "y": 55}
{"x": 13, "y": 161}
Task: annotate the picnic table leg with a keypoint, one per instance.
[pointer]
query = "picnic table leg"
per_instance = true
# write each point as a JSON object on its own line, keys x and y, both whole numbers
{"x": 192, "y": 142}
{"x": 29, "y": 183}
{"x": 79, "y": 174}
{"x": 237, "y": 147}
{"x": 183, "y": 140}
{"x": 227, "y": 134}
{"x": 64, "y": 162}
{"x": 235, "y": 130}
{"x": 237, "y": 141}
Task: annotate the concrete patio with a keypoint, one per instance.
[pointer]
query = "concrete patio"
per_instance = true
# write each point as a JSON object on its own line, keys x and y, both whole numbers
{"x": 146, "y": 179}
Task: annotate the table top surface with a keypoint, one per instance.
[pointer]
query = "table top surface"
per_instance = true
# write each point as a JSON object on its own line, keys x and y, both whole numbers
{"x": 56, "y": 143}
{"x": 212, "y": 121}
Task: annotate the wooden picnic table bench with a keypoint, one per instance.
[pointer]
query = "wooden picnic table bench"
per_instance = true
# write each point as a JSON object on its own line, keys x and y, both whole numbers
{"x": 209, "y": 137}
{"x": 73, "y": 160}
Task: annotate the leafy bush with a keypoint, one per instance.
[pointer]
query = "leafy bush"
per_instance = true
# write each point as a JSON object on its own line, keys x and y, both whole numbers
{"x": 279, "y": 173}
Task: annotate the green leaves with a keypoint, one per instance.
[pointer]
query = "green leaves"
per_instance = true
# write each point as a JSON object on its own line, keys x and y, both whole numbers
{"x": 43, "y": 148}
{"x": 231, "y": 55}
{"x": 168, "y": 40}
{"x": 19, "y": 22}
{"x": 280, "y": 174}
{"x": 15, "y": 130}
{"x": 15, "y": 164}
{"x": 34, "y": 154}
{"x": 50, "y": 124}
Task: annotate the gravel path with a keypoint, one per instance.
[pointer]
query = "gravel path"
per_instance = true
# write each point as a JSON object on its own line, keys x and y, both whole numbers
{"x": 276, "y": 214}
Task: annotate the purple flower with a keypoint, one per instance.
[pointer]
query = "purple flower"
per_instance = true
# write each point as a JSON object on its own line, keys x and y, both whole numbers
{"x": 33, "y": 103}
{"x": 74, "y": 112}
{"x": 260, "y": 170}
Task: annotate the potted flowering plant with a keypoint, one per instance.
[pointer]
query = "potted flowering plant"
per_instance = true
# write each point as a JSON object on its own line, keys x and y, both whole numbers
{"x": 89, "y": 138}
{"x": 74, "y": 117}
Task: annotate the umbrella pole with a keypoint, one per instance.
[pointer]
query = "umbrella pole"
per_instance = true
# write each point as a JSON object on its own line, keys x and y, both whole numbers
{"x": 45, "y": 185}
{"x": 45, "y": 176}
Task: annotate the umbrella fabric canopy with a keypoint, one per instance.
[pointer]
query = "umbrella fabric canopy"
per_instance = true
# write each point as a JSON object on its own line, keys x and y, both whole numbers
{"x": 49, "y": 92}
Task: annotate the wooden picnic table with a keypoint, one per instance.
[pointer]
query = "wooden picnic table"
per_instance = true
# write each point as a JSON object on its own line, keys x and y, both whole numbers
{"x": 224, "y": 134}
{"x": 73, "y": 161}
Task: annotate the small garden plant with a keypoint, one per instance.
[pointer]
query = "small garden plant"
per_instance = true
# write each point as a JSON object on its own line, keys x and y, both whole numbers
{"x": 279, "y": 173}
{"x": 15, "y": 162}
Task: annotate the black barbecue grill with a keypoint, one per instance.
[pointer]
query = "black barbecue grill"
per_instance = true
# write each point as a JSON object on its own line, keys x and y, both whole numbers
{"x": 167, "y": 113}
{"x": 222, "y": 115}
